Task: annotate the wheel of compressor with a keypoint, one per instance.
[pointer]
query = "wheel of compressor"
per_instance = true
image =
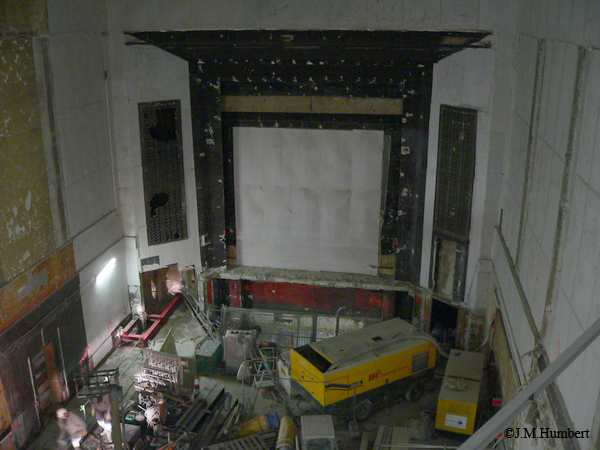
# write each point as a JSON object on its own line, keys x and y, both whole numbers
{"x": 364, "y": 409}
{"x": 415, "y": 392}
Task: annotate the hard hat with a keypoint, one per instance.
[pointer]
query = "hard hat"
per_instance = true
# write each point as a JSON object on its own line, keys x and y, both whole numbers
{"x": 62, "y": 413}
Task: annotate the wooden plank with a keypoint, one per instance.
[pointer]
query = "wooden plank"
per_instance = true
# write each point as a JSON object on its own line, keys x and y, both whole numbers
{"x": 379, "y": 437}
{"x": 53, "y": 374}
{"x": 400, "y": 435}
{"x": 208, "y": 393}
{"x": 364, "y": 442}
{"x": 204, "y": 433}
{"x": 312, "y": 104}
{"x": 214, "y": 394}
{"x": 186, "y": 414}
{"x": 228, "y": 420}
{"x": 260, "y": 441}
{"x": 266, "y": 103}
{"x": 195, "y": 419}
{"x": 355, "y": 105}
{"x": 207, "y": 388}
{"x": 256, "y": 442}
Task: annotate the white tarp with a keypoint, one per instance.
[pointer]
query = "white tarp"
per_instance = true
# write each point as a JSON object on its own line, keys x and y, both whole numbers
{"x": 308, "y": 199}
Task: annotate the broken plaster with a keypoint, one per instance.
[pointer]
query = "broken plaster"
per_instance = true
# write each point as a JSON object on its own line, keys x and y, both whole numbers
{"x": 15, "y": 229}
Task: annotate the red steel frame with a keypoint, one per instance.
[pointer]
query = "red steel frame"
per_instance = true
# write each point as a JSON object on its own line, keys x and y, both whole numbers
{"x": 157, "y": 318}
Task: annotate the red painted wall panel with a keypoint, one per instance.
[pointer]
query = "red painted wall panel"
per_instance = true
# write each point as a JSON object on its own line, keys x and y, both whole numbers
{"x": 235, "y": 293}
{"x": 322, "y": 298}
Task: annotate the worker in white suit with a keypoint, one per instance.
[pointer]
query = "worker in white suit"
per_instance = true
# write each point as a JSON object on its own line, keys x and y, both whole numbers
{"x": 72, "y": 429}
{"x": 101, "y": 410}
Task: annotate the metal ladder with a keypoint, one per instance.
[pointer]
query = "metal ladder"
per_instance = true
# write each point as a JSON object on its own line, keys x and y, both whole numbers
{"x": 265, "y": 376}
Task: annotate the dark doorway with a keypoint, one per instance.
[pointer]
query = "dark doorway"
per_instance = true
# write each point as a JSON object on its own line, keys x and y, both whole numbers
{"x": 443, "y": 322}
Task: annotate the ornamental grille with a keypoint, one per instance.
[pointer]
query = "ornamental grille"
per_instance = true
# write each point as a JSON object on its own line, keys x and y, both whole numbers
{"x": 455, "y": 171}
{"x": 163, "y": 176}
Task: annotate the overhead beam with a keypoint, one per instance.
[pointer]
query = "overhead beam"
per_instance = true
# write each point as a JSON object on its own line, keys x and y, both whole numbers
{"x": 415, "y": 46}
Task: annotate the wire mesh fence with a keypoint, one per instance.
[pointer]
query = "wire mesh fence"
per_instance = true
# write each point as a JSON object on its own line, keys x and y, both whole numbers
{"x": 285, "y": 329}
{"x": 288, "y": 329}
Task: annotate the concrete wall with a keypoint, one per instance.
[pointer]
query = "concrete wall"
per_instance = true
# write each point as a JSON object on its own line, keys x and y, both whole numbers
{"x": 311, "y": 14}
{"x": 78, "y": 68}
{"x": 104, "y": 299}
{"x": 34, "y": 263}
{"x": 26, "y": 225}
{"x": 551, "y": 198}
{"x": 105, "y": 302}
{"x": 464, "y": 79}
{"x": 77, "y": 60}
{"x": 154, "y": 75}
{"x": 57, "y": 197}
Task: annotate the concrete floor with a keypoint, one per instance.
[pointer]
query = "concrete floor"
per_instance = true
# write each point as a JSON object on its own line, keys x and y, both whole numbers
{"x": 187, "y": 334}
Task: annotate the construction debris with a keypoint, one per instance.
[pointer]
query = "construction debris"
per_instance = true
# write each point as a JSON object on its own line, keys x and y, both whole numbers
{"x": 287, "y": 434}
{"x": 258, "y": 441}
{"x": 390, "y": 436}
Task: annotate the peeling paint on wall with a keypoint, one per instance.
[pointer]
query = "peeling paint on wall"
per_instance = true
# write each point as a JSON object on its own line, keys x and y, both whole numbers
{"x": 27, "y": 290}
{"x": 26, "y": 228}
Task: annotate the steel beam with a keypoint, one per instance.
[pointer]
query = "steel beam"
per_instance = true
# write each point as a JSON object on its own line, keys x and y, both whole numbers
{"x": 520, "y": 290}
{"x": 157, "y": 318}
{"x": 531, "y": 391}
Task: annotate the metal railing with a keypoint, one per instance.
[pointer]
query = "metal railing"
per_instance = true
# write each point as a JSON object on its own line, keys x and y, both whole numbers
{"x": 201, "y": 313}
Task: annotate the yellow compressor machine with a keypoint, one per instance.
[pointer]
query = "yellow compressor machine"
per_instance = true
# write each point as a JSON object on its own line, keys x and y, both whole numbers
{"x": 363, "y": 368}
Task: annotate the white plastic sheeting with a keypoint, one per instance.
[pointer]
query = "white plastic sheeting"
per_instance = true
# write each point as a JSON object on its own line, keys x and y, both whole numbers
{"x": 308, "y": 199}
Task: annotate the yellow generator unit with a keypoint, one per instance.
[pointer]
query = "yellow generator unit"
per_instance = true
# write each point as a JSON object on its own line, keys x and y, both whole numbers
{"x": 363, "y": 368}
{"x": 459, "y": 396}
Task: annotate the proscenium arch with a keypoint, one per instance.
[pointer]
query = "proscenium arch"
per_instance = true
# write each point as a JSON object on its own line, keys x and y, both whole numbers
{"x": 324, "y": 64}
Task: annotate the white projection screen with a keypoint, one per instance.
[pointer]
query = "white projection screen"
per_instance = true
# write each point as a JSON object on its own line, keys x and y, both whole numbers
{"x": 308, "y": 199}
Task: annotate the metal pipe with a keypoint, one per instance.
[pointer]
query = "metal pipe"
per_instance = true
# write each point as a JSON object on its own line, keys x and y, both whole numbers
{"x": 520, "y": 289}
{"x": 223, "y": 327}
{"x": 315, "y": 324}
{"x": 487, "y": 336}
{"x": 117, "y": 432}
{"x": 62, "y": 357}
{"x": 128, "y": 389}
{"x": 337, "y": 319}
{"x": 35, "y": 394}
{"x": 101, "y": 344}
{"x": 123, "y": 359}
{"x": 129, "y": 365}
